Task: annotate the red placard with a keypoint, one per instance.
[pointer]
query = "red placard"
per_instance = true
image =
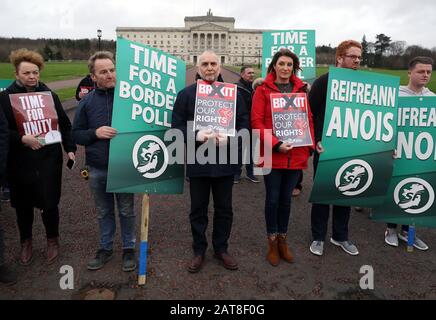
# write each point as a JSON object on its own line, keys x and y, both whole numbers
{"x": 36, "y": 115}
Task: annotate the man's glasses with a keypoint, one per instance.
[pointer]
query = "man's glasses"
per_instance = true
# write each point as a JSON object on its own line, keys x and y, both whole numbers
{"x": 353, "y": 57}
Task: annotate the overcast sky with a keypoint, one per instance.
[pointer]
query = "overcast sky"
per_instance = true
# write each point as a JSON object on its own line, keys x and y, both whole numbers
{"x": 334, "y": 20}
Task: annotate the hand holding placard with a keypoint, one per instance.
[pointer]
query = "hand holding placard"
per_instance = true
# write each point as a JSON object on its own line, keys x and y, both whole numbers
{"x": 31, "y": 141}
{"x": 204, "y": 135}
{"x": 285, "y": 147}
{"x": 105, "y": 132}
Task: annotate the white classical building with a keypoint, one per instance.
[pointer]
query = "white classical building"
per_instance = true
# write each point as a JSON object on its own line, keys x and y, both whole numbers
{"x": 233, "y": 46}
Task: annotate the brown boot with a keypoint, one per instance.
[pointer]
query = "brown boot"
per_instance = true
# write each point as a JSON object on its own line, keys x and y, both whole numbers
{"x": 273, "y": 251}
{"x": 52, "y": 249}
{"x": 26, "y": 252}
{"x": 284, "y": 251}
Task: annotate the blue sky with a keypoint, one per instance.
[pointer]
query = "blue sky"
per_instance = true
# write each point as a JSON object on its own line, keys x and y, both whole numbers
{"x": 333, "y": 20}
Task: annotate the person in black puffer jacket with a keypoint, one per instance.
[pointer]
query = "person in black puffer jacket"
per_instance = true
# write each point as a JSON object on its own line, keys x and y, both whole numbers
{"x": 34, "y": 171}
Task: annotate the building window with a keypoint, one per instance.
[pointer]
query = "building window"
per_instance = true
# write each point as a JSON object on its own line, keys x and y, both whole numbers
{"x": 161, "y": 42}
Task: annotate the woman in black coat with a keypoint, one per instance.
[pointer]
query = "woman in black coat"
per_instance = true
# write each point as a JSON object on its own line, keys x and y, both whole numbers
{"x": 34, "y": 170}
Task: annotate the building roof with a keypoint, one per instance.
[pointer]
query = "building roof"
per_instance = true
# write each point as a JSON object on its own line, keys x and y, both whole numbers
{"x": 210, "y": 18}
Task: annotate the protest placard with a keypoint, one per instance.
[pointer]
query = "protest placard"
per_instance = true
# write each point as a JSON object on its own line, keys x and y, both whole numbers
{"x": 215, "y": 107}
{"x": 300, "y": 42}
{"x": 148, "y": 81}
{"x": 290, "y": 118}
{"x": 411, "y": 194}
{"x": 35, "y": 114}
{"x": 4, "y": 83}
{"x": 358, "y": 137}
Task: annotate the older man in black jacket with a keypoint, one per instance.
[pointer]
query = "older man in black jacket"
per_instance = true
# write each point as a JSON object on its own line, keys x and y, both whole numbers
{"x": 246, "y": 90}
{"x": 208, "y": 177}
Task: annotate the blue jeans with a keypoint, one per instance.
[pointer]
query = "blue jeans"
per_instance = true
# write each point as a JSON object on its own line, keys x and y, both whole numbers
{"x": 279, "y": 185}
{"x": 105, "y": 207}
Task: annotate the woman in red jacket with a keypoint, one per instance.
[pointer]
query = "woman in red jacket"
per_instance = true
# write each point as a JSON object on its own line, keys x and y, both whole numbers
{"x": 286, "y": 161}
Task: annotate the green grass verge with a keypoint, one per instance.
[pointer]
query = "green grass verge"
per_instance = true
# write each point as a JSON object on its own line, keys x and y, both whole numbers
{"x": 399, "y": 73}
{"x": 66, "y": 93}
{"x": 321, "y": 70}
{"x": 53, "y": 71}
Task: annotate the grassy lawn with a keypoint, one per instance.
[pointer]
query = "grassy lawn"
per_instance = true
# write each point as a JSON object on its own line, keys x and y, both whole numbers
{"x": 66, "y": 93}
{"x": 53, "y": 71}
{"x": 399, "y": 73}
{"x": 321, "y": 70}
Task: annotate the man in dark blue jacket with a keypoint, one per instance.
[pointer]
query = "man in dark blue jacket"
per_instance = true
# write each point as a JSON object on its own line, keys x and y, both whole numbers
{"x": 208, "y": 177}
{"x": 92, "y": 128}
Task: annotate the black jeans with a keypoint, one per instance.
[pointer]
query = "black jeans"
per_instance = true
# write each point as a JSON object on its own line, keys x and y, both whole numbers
{"x": 279, "y": 185}
{"x": 299, "y": 185}
{"x": 247, "y": 151}
{"x": 320, "y": 217}
{"x": 200, "y": 188}
{"x": 50, "y": 218}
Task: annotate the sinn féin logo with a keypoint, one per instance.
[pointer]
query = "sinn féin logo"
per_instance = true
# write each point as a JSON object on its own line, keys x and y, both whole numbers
{"x": 414, "y": 195}
{"x": 150, "y": 156}
{"x": 354, "y": 177}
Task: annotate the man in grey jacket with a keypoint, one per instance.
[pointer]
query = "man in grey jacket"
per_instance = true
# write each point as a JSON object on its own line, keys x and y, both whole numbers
{"x": 420, "y": 69}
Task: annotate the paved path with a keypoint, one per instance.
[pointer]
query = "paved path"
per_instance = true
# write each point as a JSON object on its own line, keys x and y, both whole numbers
{"x": 56, "y": 85}
{"x": 228, "y": 76}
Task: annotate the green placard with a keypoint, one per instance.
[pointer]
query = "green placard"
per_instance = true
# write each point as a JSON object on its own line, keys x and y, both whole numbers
{"x": 4, "y": 83}
{"x": 411, "y": 194}
{"x": 359, "y": 138}
{"x": 148, "y": 81}
{"x": 301, "y": 42}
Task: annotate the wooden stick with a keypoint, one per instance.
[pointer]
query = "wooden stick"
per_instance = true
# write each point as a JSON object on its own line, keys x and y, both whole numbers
{"x": 143, "y": 247}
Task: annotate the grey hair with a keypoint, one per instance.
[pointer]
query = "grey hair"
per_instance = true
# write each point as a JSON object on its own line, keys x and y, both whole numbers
{"x": 99, "y": 55}
{"x": 200, "y": 57}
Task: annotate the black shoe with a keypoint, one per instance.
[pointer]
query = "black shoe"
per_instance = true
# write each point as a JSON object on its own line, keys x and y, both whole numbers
{"x": 7, "y": 276}
{"x": 129, "y": 260}
{"x": 236, "y": 179}
{"x": 101, "y": 258}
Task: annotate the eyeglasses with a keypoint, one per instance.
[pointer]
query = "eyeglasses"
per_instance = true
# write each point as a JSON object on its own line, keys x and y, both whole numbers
{"x": 353, "y": 57}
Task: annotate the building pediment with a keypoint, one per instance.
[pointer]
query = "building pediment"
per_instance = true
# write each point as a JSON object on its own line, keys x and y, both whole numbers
{"x": 209, "y": 27}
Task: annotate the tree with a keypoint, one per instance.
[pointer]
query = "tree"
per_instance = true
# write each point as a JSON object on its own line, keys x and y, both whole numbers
{"x": 381, "y": 45}
{"x": 47, "y": 52}
{"x": 365, "y": 52}
{"x": 397, "y": 48}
